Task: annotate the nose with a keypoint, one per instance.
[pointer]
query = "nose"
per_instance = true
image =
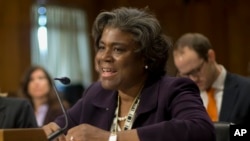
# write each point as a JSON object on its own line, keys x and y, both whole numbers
{"x": 107, "y": 55}
{"x": 195, "y": 78}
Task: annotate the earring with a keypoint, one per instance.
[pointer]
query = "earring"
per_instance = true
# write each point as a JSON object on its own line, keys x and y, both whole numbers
{"x": 146, "y": 67}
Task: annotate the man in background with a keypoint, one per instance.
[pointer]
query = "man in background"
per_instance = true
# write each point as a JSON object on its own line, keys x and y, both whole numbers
{"x": 226, "y": 96}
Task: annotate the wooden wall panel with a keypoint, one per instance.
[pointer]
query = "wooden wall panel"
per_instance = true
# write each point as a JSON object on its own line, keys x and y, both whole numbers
{"x": 239, "y": 38}
{"x": 14, "y": 50}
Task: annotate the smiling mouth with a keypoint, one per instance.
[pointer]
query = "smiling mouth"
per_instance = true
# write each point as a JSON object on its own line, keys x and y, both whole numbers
{"x": 107, "y": 72}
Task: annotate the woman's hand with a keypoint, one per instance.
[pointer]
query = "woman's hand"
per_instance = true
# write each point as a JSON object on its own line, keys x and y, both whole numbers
{"x": 51, "y": 128}
{"x": 86, "y": 132}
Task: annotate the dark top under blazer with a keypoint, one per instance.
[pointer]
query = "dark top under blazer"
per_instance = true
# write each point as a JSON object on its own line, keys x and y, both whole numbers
{"x": 16, "y": 113}
{"x": 236, "y": 100}
{"x": 170, "y": 110}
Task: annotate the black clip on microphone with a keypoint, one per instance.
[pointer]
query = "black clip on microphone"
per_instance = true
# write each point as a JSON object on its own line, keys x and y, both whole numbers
{"x": 65, "y": 81}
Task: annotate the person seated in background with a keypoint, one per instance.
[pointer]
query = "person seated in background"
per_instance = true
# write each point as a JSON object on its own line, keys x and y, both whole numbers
{"x": 133, "y": 99}
{"x": 37, "y": 87}
{"x": 224, "y": 94}
{"x": 16, "y": 113}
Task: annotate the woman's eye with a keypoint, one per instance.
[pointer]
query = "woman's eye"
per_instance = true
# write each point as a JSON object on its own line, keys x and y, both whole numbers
{"x": 119, "y": 50}
{"x": 100, "y": 47}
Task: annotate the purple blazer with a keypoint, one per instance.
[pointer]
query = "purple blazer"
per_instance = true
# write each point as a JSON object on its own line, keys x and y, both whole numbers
{"x": 170, "y": 109}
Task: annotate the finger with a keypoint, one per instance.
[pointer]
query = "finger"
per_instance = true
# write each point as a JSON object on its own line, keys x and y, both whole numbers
{"x": 47, "y": 130}
{"x": 62, "y": 138}
{"x": 70, "y": 138}
{"x": 50, "y": 128}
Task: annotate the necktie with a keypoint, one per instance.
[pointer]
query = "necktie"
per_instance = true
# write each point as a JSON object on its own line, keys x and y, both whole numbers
{"x": 211, "y": 107}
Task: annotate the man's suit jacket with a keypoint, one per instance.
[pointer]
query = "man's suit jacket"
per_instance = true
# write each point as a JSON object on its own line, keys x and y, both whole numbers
{"x": 16, "y": 113}
{"x": 169, "y": 109}
{"x": 236, "y": 100}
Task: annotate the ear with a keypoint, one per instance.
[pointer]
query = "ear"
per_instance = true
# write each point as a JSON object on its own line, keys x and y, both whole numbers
{"x": 211, "y": 55}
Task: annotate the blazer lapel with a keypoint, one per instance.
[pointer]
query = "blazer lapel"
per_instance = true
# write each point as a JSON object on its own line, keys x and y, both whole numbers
{"x": 150, "y": 91}
{"x": 230, "y": 96}
{"x": 105, "y": 103}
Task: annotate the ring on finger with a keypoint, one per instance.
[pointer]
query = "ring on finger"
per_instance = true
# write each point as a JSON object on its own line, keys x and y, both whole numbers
{"x": 71, "y": 138}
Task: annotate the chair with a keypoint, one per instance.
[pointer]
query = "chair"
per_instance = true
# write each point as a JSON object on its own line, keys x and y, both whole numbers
{"x": 222, "y": 131}
{"x": 72, "y": 93}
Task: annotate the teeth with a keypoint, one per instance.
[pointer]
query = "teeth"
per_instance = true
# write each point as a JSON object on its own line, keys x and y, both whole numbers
{"x": 106, "y": 70}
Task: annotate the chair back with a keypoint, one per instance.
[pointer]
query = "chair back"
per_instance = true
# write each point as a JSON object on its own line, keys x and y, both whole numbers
{"x": 222, "y": 131}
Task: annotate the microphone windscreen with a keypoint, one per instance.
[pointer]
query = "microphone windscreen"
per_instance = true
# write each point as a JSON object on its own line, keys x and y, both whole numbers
{"x": 64, "y": 80}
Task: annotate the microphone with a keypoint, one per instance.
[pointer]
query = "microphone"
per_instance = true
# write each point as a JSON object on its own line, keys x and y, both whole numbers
{"x": 65, "y": 81}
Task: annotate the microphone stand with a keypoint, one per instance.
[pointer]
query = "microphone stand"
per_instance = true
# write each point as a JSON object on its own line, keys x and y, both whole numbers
{"x": 60, "y": 131}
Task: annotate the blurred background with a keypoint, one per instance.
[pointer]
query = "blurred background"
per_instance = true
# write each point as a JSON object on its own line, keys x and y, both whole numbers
{"x": 57, "y": 34}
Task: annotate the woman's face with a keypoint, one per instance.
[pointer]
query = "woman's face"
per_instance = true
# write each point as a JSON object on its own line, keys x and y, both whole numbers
{"x": 38, "y": 85}
{"x": 118, "y": 65}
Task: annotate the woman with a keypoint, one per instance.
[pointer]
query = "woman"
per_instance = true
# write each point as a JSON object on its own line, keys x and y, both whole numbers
{"x": 37, "y": 86}
{"x": 134, "y": 100}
